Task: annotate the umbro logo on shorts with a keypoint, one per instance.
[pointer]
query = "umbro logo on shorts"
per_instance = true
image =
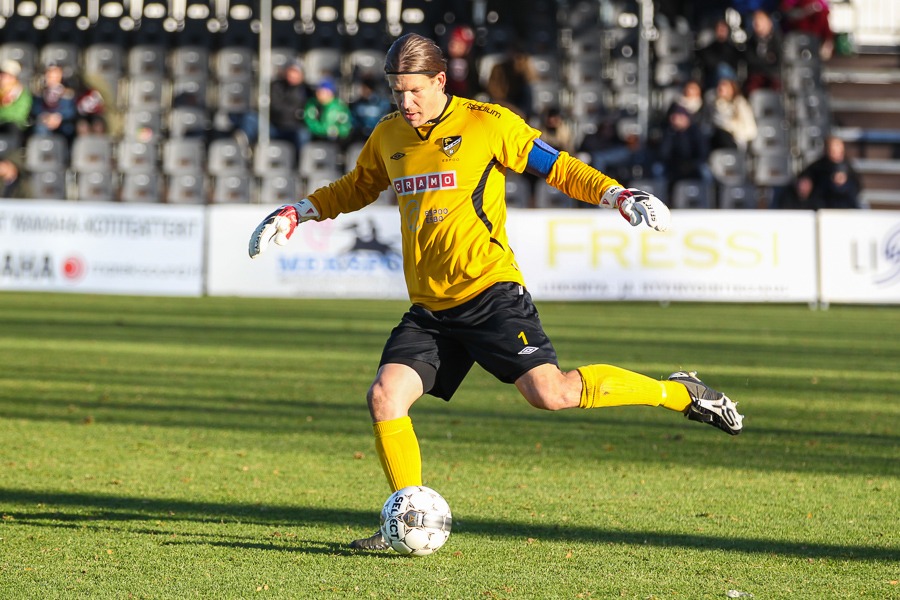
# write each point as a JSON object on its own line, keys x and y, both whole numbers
{"x": 529, "y": 350}
{"x": 429, "y": 182}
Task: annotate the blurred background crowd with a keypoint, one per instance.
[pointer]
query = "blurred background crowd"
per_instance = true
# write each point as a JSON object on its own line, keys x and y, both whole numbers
{"x": 706, "y": 103}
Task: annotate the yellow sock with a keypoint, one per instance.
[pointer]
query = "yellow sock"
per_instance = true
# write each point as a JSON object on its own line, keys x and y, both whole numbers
{"x": 398, "y": 450}
{"x": 605, "y": 385}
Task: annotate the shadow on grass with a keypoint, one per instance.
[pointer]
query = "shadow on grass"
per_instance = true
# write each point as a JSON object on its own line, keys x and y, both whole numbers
{"x": 111, "y": 509}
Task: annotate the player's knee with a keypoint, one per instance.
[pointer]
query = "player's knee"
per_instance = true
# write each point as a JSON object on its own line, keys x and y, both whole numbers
{"x": 377, "y": 397}
{"x": 546, "y": 399}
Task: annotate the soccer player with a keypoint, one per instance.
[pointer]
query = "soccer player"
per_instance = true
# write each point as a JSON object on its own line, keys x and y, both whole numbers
{"x": 446, "y": 157}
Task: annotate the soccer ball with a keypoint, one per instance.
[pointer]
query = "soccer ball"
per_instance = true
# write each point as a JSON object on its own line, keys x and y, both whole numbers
{"x": 416, "y": 520}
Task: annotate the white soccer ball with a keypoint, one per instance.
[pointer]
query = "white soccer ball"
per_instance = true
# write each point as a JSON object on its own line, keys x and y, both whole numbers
{"x": 416, "y": 520}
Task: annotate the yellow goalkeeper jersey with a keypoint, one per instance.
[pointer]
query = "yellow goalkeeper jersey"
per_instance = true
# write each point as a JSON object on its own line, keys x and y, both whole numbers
{"x": 449, "y": 176}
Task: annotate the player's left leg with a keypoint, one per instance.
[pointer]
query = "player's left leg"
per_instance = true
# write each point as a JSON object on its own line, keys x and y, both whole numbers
{"x": 595, "y": 386}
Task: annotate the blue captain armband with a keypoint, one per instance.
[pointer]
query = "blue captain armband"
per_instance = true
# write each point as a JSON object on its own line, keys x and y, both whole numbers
{"x": 541, "y": 159}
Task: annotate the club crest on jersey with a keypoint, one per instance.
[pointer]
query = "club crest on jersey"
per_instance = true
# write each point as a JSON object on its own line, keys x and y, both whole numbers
{"x": 450, "y": 145}
{"x": 430, "y": 182}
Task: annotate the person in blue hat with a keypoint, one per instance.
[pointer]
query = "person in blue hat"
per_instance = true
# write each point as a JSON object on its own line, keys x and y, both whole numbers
{"x": 327, "y": 117}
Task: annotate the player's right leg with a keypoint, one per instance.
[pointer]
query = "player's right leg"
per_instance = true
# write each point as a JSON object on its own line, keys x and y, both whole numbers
{"x": 395, "y": 389}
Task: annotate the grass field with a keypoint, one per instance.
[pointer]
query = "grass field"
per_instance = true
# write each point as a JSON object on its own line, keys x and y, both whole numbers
{"x": 221, "y": 448}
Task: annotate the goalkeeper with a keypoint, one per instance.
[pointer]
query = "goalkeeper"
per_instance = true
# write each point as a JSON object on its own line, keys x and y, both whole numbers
{"x": 446, "y": 158}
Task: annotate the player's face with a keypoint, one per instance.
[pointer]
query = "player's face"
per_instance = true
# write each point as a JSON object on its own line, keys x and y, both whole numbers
{"x": 419, "y": 98}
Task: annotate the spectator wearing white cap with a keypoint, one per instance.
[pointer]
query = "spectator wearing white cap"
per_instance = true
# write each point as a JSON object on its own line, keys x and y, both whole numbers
{"x": 15, "y": 99}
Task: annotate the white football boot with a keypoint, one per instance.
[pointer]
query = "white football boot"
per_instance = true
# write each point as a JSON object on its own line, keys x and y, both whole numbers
{"x": 708, "y": 405}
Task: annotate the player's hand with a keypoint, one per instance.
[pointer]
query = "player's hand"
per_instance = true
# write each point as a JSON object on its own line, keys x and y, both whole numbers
{"x": 636, "y": 207}
{"x": 280, "y": 225}
{"x": 653, "y": 211}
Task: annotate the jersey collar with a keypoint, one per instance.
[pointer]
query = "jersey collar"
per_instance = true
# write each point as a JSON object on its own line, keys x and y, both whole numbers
{"x": 433, "y": 123}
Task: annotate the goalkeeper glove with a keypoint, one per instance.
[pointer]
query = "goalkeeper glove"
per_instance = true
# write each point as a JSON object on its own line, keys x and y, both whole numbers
{"x": 279, "y": 226}
{"x": 636, "y": 206}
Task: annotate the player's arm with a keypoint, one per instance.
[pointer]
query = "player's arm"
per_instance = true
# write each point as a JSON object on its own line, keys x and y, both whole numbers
{"x": 358, "y": 188}
{"x": 582, "y": 182}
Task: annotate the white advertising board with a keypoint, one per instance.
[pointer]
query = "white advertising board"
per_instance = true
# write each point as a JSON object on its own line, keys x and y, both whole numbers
{"x": 565, "y": 255}
{"x": 715, "y": 256}
{"x": 356, "y": 255}
{"x": 860, "y": 256}
{"x": 101, "y": 248}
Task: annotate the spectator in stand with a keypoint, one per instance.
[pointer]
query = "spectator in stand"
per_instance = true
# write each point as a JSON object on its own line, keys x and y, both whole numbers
{"x": 90, "y": 106}
{"x": 326, "y": 115}
{"x": 462, "y": 74}
{"x": 798, "y": 196}
{"x": 13, "y": 182}
{"x": 367, "y": 109}
{"x": 691, "y": 99}
{"x": 719, "y": 59}
{"x": 835, "y": 184}
{"x": 810, "y": 16}
{"x": 683, "y": 148}
{"x": 15, "y": 99}
{"x": 763, "y": 55}
{"x": 54, "y": 108}
{"x": 509, "y": 83}
{"x": 555, "y": 130}
{"x": 733, "y": 123}
{"x": 289, "y": 96}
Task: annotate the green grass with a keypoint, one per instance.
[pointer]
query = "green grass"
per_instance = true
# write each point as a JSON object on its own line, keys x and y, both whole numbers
{"x": 221, "y": 448}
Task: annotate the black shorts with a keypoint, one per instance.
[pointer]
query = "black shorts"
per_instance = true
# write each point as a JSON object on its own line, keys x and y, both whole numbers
{"x": 499, "y": 329}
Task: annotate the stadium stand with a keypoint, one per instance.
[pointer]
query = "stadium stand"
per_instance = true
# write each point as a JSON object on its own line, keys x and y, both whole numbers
{"x": 186, "y": 83}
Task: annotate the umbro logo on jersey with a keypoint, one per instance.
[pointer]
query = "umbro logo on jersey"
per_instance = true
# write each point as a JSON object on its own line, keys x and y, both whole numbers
{"x": 425, "y": 183}
{"x": 529, "y": 350}
{"x": 450, "y": 145}
{"x": 397, "y": 156}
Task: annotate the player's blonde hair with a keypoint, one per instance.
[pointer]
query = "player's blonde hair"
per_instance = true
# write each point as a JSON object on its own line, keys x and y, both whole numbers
{"x": 414, "y": 54}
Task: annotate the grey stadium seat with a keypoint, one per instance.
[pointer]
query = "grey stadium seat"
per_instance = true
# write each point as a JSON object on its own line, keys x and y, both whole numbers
{"x": 738, "y": 196}
{"x": 187, "y": 187}
{"x": 279, "y": 188}
{"x": 146, "y": 91}
{"x": 137, "y": 157}
{"x": 147, "y": 59}
{"x": 46, "y": 152}
{"x": 225, "y": 157}
{"x": 141, "y": 187}
{"x": 48, "y": 185}
{"x": 184, "y": 155}
{"x": 773, "y": 169}
{"x": 185, "y": 121}
{"x": 277, "y": 157}
{"x": 771, "y": 135}
{"x": 144, "y": 124}
{"x": 96, "y": 186}
{"x": 728, "y": 166}
{"x": 691, "y": 193}
{"x": 318, "y": 156}
{"x": 234, "y": 63}
{"x": 92, "y": 153}
{"x": 190, "y": 61}
{"x": 234, "y": 188}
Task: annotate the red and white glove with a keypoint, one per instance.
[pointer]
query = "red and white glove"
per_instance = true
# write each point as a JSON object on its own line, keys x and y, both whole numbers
{"x": 636, "y": 206}
{"x": 280, "y": 225}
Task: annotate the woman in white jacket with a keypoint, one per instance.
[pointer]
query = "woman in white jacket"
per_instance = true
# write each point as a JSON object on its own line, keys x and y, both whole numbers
{"x": 734, "y": 125}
